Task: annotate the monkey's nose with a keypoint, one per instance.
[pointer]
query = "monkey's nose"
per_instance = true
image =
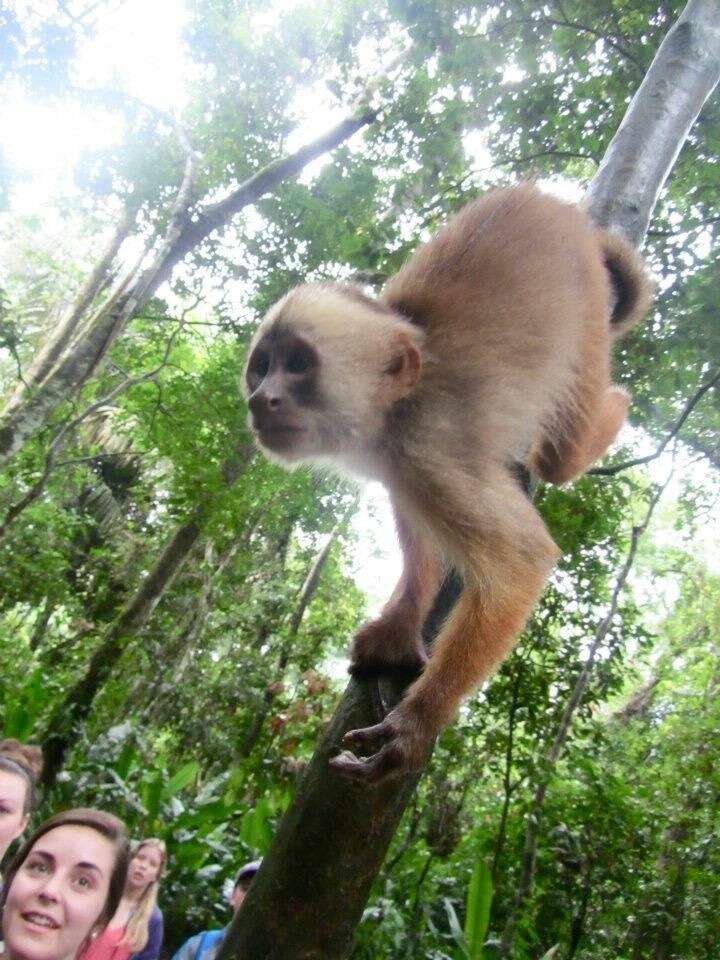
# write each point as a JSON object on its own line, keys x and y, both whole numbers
{"x": 261, "y": 402}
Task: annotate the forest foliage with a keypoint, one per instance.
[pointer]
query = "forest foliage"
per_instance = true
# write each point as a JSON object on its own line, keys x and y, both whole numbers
{"x": 158, "y": 630}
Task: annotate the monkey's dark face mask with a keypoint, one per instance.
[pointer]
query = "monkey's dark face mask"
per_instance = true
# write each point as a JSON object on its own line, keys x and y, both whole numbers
{"x": 284, "y": 401}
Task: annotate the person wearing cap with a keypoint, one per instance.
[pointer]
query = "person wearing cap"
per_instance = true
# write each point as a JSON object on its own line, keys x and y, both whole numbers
{"x": 206, "y": 945}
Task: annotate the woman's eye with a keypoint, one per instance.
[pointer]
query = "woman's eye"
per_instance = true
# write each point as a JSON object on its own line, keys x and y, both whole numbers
{"x": 37, "y": 866}
{"x": 85, "y": 883}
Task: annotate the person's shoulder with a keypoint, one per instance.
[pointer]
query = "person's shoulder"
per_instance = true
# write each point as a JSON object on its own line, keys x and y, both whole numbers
{"x": 188, "y": 948}
{"x": 206, "y": 938}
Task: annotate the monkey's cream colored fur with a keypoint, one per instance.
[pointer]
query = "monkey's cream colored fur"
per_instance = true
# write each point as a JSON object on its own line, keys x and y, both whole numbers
{"x": 490, "y": 345}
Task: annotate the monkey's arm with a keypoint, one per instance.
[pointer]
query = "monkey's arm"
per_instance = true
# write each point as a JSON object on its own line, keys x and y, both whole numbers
{"x": 392, "y": 644}
{"x": 508, "y": 554}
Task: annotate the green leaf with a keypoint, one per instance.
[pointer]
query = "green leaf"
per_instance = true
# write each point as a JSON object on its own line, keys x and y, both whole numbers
{"x": 462, "y": 952}
{"x": 125, "y": 760}
{"x": 181, "y": 779}
{"x": 552, "y": 952}
{"x": 254, "y": 829}
{"x": 151, "y": 796}
{"x": 477, "y": 916}
{"x": 24, "y": 708}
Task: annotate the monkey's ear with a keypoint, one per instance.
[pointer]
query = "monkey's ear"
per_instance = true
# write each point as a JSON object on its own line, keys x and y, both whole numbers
{"x": 403, "y": 370}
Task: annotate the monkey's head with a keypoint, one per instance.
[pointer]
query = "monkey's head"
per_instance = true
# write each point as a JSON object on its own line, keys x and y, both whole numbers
{"x": 323, "y": 369}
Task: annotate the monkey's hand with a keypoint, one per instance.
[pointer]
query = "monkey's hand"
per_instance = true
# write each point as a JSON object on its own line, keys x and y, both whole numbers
{"x": 387, "y": 647}
{"x": 403, "y": 742}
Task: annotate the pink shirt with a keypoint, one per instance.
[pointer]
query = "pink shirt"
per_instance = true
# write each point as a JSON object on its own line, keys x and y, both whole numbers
{"x": 107, "y": 946}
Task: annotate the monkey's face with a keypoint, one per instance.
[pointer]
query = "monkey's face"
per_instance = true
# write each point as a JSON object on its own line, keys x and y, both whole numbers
{"x": 282, "y": 383}
{"x": 323, "y": 370}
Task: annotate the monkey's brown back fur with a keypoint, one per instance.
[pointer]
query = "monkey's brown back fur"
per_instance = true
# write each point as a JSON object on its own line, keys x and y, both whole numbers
{"x": 514, "y": 296}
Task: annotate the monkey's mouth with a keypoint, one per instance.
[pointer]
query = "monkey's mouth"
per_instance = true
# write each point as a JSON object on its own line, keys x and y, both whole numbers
{"x": 271, "y": 434}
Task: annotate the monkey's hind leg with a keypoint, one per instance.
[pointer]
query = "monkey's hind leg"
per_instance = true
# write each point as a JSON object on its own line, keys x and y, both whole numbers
{"x": 584, "y": 440}
{"x": 392, "y": 644}
{"x": 507, "y": 562}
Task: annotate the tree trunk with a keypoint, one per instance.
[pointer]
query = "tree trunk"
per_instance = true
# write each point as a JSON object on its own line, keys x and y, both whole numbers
{"x": 77, "y": 703}
{"x": 500, "y": 836}
{"x": 682, "y": 76}
{"x": 309, "y": 895}
{"x": 306, "y": 594}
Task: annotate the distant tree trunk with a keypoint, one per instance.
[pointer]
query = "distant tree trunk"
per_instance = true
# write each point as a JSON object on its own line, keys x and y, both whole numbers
{"x": 181, "y": 648}
{"x": 52, "y": 352}
{"x": 577, "y": 924}
{"x": 79, "y": 348}
{"x": 77, "y": 702}
{"x": 508, "y": 787}
{"x": 307, "y": 592}
{"x": 41, "y": 622}
{"x": 343, "y": 829}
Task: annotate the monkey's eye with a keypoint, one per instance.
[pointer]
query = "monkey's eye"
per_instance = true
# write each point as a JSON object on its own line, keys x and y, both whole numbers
{"x": 259, "y": 364}
{"x": 300, "y": 359}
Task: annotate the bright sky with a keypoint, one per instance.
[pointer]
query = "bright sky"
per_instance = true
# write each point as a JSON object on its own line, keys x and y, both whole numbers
{"x": 137, "y": 48}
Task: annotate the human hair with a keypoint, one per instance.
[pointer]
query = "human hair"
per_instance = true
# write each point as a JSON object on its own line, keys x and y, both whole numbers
{"x": 138, "y": 926}
{"x": 25, "y": 760}
{"x": 107, "y": 826}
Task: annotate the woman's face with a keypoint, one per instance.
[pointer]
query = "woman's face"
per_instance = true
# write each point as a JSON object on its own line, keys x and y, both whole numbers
{"x": 13, "y": 793}
{"x": 57, "y": 894}
{"x": 144, "y": 867}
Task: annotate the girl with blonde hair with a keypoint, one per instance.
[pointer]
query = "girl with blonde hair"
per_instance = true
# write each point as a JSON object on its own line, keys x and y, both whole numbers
{"x": 136, "y": 928}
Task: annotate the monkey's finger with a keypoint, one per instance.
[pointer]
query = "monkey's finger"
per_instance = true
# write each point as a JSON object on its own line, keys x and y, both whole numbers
{"x": 371, "y": 769}
{"x": 364, "y": 735}
{"x": 345, "y": 762}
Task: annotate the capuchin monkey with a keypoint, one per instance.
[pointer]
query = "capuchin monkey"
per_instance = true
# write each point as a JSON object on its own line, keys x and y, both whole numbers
{"x": 490, "y": 347}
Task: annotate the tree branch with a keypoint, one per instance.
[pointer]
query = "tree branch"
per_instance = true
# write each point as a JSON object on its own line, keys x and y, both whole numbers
{"x": 57, "y": 444}
{"x": 683, "y": 74}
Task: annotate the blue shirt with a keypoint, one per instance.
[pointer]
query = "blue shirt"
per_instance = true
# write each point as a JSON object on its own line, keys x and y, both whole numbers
{"x": 203, "y": 946}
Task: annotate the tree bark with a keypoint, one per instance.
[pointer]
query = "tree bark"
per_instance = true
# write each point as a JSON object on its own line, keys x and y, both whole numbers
{"x": 681, "y": 77}
{"x": 334, "y": 836}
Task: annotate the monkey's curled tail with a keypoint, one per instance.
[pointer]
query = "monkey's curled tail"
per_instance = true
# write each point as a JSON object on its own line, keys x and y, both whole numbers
{"x": 630, "y": 285}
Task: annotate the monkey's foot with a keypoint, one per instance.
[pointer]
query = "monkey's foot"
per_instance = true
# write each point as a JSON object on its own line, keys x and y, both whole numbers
{"x": 387, "y": 648}
{"x": 405, "y": 745}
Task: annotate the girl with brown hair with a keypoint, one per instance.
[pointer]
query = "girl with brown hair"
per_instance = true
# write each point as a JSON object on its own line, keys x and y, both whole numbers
{"x": 64, "y": 883}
